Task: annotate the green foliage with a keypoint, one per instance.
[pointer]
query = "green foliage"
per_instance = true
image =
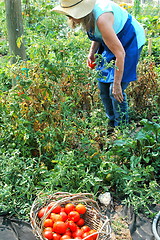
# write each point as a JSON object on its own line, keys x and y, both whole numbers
{"x": 53, "y": 126}
{"x": 133, "y": 165}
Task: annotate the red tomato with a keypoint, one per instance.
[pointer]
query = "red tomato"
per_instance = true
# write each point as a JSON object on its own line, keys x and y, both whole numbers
{"x": 95, "y": 235}
{"x": 48, "y": 235}
{"x": 48, "y": 223}
{"x": 59, "y": 227}
{"x": 92, "y": 65}
{"x": 78, "y": 238}
{"x": 42, "y": 211}
{"x": 77, "y": 233}
{"x": 69, "y": 207}
{"x": 65, "y": 237}
{"x": 56, "y": 236}
{"x": 80, "y": 222}
{"x": 62, "y": 209}
{"x": 56, "y": 209}
{"x": 68, "y": 232}
{"x": 64, "y": 216}
{"x": 85, "y": 228}
{"x": 81, "y": 208}
{"x": 50, "y": 205}
{"x": 48, "y": 229}
{"x": 72, "y": 226}
{"x": 73, "y": 216}
{"x": 56, "y": 217}
{"x": 86, "y": 234}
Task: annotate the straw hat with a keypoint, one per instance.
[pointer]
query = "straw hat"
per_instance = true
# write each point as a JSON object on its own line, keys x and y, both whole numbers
{"x": 75, "y": 8}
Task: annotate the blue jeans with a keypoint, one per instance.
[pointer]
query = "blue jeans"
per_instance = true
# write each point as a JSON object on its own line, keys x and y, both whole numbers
{"x": 116, "y": 112}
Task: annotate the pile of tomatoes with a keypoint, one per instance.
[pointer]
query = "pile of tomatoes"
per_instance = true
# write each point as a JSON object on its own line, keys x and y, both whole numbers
{"x": 66, "y": 222}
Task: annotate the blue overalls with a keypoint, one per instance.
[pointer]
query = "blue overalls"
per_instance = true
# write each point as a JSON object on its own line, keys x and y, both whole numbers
{"x": 115, "y": 111}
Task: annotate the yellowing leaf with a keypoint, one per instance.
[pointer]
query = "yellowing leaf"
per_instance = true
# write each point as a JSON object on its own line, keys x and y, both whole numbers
{"x": 19, "y": 41}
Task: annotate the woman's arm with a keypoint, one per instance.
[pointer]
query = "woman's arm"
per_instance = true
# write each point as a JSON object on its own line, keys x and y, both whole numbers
{"x": 93, "y": 49}
{"x": 105, "y": 25}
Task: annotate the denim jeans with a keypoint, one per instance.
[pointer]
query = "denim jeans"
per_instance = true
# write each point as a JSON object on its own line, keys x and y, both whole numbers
{"x": 116, "y": 112}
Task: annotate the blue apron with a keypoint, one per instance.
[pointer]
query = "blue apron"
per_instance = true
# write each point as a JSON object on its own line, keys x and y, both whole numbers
{"x": 127, "y": 37}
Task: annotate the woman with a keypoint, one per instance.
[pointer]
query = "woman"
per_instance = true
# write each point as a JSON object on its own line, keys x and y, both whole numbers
{"x": 118, "y": 37}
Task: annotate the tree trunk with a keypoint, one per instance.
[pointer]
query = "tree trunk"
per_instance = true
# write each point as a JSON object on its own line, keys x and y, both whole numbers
{"x": 15, "y": 29}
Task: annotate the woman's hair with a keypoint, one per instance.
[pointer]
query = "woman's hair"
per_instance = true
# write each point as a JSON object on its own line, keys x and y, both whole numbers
{"x": 87, "y": 22}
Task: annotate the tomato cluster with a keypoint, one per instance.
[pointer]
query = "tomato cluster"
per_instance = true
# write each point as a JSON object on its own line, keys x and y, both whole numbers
{"x": 66, "y": 222}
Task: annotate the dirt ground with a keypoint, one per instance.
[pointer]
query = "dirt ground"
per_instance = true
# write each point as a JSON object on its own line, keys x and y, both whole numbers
{"x": 120, "y": 227}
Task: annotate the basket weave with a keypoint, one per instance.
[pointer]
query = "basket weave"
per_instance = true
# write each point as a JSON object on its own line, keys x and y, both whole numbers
{"x": 93, "y": 217}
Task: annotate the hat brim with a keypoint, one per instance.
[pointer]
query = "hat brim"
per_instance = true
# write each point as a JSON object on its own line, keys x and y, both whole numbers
{"x": 78, "y": 11}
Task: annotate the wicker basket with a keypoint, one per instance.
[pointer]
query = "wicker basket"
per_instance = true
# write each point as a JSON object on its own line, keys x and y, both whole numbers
{"x": 93, "y": 217}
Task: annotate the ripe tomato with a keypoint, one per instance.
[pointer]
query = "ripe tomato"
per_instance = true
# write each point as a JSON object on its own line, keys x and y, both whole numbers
{"x": 85, "y": 228}
{"x": 48, "y": 223}
{"x": 56, "y": 236}
{"x": 95, "y": 235}
{"x": 81, "y": 208}
{"x": 72, "y": 226}
{"x": 59, "y": 227}
{"x": 56, "y": 209}
{"x": 77, "y": 233}
{"x": 56, "y": 217}
{"x": 42, "y": 211}
{"x": 48, "y": 235}
{"x": 50, "y": 205}
{"x": 65, "y": 237}
{"x": 64, "y": 216}
{"x": 62, "y": 209}
{"x": 92, "y": 65}
{"x": 69, "y": 207}
{"x": 68, "y": 232}
{"x": 73, "y": 216}
{"x": 86, "y": 234}
{"x": 80, "y": 222}
{"x": 48, "y": 229}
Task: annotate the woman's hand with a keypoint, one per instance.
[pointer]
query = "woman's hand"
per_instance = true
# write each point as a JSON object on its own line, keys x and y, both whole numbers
{"x": 91, "y": 56}
{"x": 90, "y": 60}
{"x": 117, "y": 92}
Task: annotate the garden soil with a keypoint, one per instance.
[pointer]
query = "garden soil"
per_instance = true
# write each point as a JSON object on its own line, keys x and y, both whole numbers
{"x": 125, "y": 223}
